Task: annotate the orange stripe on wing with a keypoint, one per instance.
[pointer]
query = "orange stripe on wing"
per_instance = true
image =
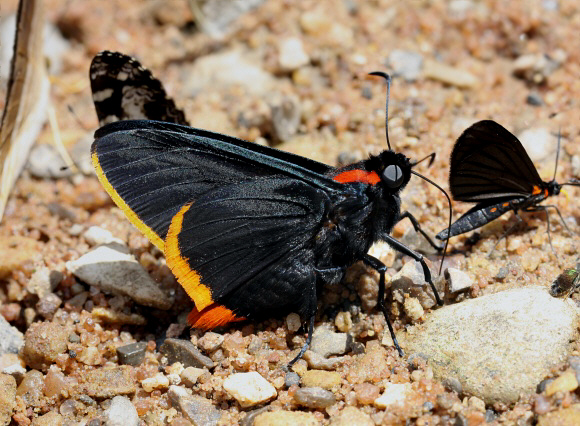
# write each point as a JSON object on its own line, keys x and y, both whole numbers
{"x": 211, "y": 317}
{"x": 131, "y": 215}
{"x": 363, "y": 176}
{"x": 189, "y": 279}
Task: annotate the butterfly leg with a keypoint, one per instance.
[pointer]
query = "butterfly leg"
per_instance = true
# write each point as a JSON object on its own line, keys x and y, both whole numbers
{"x": 402, "y": 248}
{"x": 311, "y": 318}
{"x": 506, "y": 233}
{"x": 380, "y": 267}
{"x": 545, "y": 208}
{"x": 415, "y": 223}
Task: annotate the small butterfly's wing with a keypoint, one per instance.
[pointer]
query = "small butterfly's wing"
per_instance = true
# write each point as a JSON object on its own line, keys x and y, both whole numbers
{"x": 125, "y": 90}
{"x": 151, "y": 169}
{"x": 238, "y": 250}
{"x": 488, "y": 162}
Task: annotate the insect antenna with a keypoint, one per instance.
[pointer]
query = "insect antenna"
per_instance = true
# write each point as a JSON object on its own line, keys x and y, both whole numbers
{"x": 450, "y": 212}
{"x": 431, "y": 158}
{"x": 557, "y": 153}
{"x": 388, "y": 78}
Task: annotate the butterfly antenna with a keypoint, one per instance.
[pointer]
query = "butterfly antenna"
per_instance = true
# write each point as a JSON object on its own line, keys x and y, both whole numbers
{"x": 557, "y": 153}
{"x": 388, "y": 78}
{"x": 450, "y": 212}
{"x": 431, "y": 158}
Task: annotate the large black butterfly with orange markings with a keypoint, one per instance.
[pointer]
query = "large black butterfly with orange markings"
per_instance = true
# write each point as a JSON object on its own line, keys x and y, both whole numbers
{"x": 249, "y": 231}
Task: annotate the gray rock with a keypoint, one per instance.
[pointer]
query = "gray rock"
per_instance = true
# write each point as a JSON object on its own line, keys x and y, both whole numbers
{"x": 291, "y": 378}
{"x": 285, "y": 117}
{"x": 291, "y": 54}
{"x": 44, "y": 281}
{"x": 121, "y": 413}
{"x": 539, "y": 143}
{"x": 318, "y": 362}
{"x": 411, "y": 280}
{"x": 44, "y": 161}
{"x": 537, "y": 67}
{"x": 314, "y": 397}
{"x": 185, "y": 352}
{"x": 534, "y": 99}
{"x": 47, "y": 306}
{"x": 110, "y": 268}
{"x": 132, "y": 354}
{"x": 500, "y": 345}
{"x": 81, "y": 155}
{"x": 405, "y": 64}
{"x": 210, "y": 341}
{"x": 216, "y": 17}
{"x": 458, "y": 280}
{"x": 198, "y": 410}
{"x": 11, "y": 340}
{"x": 216, "y": 71}
{"x": 326, "y": 342}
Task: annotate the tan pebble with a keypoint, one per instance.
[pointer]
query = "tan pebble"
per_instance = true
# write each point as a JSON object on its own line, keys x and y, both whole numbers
{"x": 286, "y": 418}
{"x": 249, "y": 389}
{"x": 159, "y": 381}
{"x": 566, "y": 382}
{"x": 293, "y": 322}
{"x": 449, "y": 75}
{"x": 320, "y": 378}
{"x": 395, "y": 393}
{"x": 7, "y": 398}
{"x": 476, "y": 403}
{"x": 351, "y": 416}
{"x": 366, "y": 393}
{"x": 190, "y": 375}
{"x": 90, "y": 356}
{"x": 343, "y": 321}
{"x": 563, "y": 417}
{"x": 413, "y": 308}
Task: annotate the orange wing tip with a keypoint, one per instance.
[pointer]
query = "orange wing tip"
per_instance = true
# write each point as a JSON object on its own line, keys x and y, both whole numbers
{"x": 211, "y": 317}
{"x": 131, "y": 215}
{"x": 189, "y": 279}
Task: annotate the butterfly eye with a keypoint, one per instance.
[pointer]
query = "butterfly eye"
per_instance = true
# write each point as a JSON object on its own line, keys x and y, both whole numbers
{"x": 393, "y": 176}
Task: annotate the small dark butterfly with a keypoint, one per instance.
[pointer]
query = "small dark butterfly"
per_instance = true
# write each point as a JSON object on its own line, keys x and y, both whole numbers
{"x": 490, "y": 167}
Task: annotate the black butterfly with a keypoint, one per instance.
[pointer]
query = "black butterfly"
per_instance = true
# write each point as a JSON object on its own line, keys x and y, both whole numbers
{"x": 490, "y": 167}
{"x": 249, "y": 231}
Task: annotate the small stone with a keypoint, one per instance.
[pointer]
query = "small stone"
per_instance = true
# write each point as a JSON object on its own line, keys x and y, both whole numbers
{"x": 343, "y": 321}
{"x": 286, "y": 115}
{"x": 453, "y": 384}
{"x": 108, "y": 382}
{"x": 318, "y": 362}
{"x": 371, "y": 367}
{"x": 395, "y": 393}
{"x": 449, "y": 75}
{"x": 44, "y": 281}
{"x": 566, "y": 382}
{"x": 366, "y": 393}
{"x": 121, "y": 412}
{"x": 43, "y": 342}
{"x": 96, "y": 236}
{"x": 90, "y": 356}
{"x": 109, "y": 316}
{"x": 458, "y": 280}
{"x": 7, "y": 398}
{"x": 539, "y": 143}
{"x": 15, "y": 370}
{"x": 534, "y": 99}
{"x": 111, "y": 269}
{"x": 251, "y": 415}
{"x": 286, "y": 418}
{"x": 326, "y": 342}
{"x": 52, "y": 418}
{"x": 198, "y": 410}
{"x": 190, "y": 375}
{"x": 411, "y": 280}
{"x": 48, "y": 305}
{"x": 293, "y": 322}
{"x": 15, "y": 251}
{"x": 413, "y": 308}
{"x": 210, "y": 341}
{"x": 159, "y": 381}
{"x": 291, "y": 379}
{"x": 562, "y": 417}
{"x": 502, "y": 273}
{"x": 350, "y": 416}
{"x": 185, "y": 352}
{"x": 536, "y": 67}
{"x": 249, "y": 389}
{"x": 314, "y": 397}
{"x": 319, "y": 378}
{"x": 10, "y": 338}
{"x": 44, "y": 162}
{"x": 405, "y": 64}
{"x": 132, "y": 354}
{"x": 31, "y": 388}
{"x": 55, "y": 383}
{"x": 291, "y": 54}
{"x": 476, "y": 403}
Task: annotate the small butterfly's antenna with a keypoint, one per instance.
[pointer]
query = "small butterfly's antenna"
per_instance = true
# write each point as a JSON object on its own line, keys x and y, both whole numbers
{"x": 557, "y": 153}
{"x": 388, "y": 78}
{"x": 431, "y": 158}
{"x": 450, "y": 213}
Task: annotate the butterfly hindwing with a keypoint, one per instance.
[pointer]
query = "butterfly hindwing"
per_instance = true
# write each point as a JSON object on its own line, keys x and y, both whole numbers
{"x": 489, "y": 162}
{"x": 236, "y": 239}
{"x": 124, "y": 90}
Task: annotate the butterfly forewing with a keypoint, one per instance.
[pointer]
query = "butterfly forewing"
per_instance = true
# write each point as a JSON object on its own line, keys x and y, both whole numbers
{"x": 489, "y": 162}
